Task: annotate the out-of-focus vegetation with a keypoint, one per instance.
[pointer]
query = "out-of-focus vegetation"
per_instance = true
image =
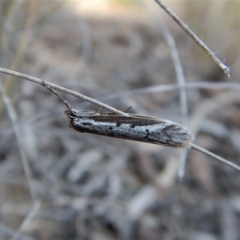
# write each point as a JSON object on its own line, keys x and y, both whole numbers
{"x": 90, "y": 187}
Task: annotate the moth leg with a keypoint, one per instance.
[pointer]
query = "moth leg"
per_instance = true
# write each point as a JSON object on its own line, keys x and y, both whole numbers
{"x": 123, "y": 110}
{"x": 110, "y": 113}
{"x": 68, "y": 105}
{"x": 100, "y": 109}
{"x": 126, "y": 109}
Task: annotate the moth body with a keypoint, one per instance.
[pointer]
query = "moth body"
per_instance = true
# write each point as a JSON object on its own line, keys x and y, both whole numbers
{"x": 132, "y": 127}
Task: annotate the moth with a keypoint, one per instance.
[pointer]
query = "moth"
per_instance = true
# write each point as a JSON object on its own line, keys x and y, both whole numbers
{"x": 134, "y": 127}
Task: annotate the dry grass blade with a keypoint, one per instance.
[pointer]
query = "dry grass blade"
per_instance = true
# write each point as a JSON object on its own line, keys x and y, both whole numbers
{"x": 225, "y": 161}
{"x": 222, "y": 66}
{"x": 62, "y": 89}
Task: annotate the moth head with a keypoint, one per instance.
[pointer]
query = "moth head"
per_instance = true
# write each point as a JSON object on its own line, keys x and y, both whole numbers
{"x": 71, "y": 113}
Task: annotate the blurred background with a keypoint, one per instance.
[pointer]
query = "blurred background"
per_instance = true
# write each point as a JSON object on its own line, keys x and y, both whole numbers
{"x": 57, "y": 184}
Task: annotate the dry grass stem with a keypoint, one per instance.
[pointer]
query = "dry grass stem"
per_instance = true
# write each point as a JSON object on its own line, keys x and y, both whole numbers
{"x": 36, "y": 205}
{"x": 233, "y": 86}
{"x": 181, "y": 82}
{"x": 10, "y": 233}
{"x": 222, "y": 66}
{"x": 13, "y": 119}
{"x": 62, "y": 89}
{"x": 195, "y": 147}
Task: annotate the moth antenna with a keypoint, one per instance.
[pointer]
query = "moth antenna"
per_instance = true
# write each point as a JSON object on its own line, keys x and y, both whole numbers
{"x": 68, "y": 105}
{"x": 223, "y": 160}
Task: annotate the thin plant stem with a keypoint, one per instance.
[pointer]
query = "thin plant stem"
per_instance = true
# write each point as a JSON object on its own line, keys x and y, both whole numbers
{"x": 27, "y": 169}
{"x": 62, "y": 89}
{"x": 182, "y": 90}
{"x": 186, "y": 28}
{"x": 11, "y": 232}
{"x": 233, "y": 165}
{"x": 27, "y": 220}
{"x": 234, "y": 86}
{"x": 13, "y": 119}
